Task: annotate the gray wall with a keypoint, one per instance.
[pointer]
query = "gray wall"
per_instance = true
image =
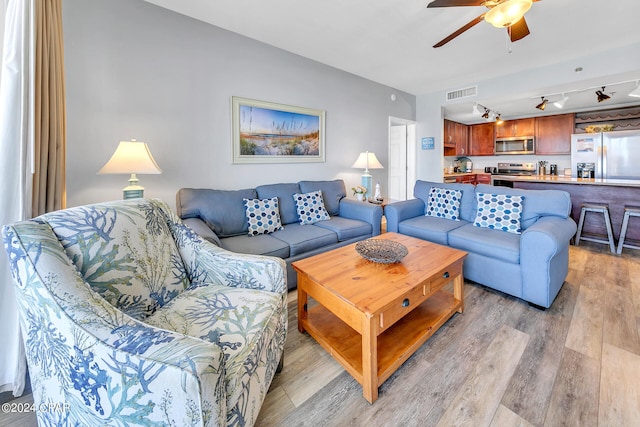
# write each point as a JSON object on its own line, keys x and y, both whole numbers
{"x": 134, "y": 70}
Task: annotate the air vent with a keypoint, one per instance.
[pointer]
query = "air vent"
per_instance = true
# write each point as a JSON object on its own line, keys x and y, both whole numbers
{"x": 462, "y": 93}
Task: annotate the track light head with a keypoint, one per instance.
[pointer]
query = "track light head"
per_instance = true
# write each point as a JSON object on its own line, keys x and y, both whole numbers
{"x": 601, "y": 95}
{"x": 499, "y": 120}
{"x": 486, "y": 114}
{"x": 560, "y": 103}
{"x": 542, "y": 104}
{"x": 636, "y": 91}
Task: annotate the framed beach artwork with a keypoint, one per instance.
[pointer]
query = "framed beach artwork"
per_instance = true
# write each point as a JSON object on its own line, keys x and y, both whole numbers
{"x": 264, "y": 132}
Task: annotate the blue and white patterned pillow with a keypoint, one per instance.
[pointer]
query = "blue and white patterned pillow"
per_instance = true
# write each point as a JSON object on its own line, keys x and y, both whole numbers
{"x": 499, "y": 212}
{"x": 444, "y": 203}
{"x": 263, "y": 216}
{"x": 310, "y": 207}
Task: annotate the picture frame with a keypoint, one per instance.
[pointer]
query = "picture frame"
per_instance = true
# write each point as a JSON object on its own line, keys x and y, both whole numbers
{"x": 267, "y": 132}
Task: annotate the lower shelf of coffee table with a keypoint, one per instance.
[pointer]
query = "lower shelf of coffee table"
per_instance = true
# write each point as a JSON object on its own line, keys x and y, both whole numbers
{"x": 395, "y": 345}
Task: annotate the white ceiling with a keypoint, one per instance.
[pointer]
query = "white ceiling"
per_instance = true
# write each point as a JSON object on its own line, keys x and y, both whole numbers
{"x": 390, "y": 42}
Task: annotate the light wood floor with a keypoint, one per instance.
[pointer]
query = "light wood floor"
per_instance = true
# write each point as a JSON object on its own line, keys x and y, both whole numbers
{"x": 500, "y": 363}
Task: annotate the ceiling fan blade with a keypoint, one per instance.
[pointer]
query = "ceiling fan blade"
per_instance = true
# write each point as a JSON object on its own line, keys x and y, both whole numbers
{"x": 460, "y": 31}
{"x": 518, "y": 30}
{"x": 455, "y": 3}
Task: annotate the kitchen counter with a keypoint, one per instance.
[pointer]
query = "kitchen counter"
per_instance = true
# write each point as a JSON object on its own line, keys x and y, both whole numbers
{"x": 561, "y": 179}
{"x": 474, "y": 172}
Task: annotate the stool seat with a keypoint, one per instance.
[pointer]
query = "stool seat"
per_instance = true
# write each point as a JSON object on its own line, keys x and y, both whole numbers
{"x": 629, "y": 211}
{"x": 597, "y": 208}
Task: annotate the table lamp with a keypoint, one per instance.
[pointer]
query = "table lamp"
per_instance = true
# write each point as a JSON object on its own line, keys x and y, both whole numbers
{"x": 367, "y": 161}
{"x": 131, "y": 157}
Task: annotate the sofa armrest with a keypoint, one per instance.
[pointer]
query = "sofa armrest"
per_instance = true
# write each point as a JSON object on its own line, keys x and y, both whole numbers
{"x": 546, "y": 237}
{"x": 399, "y": 211}
{"x": 199, "y": 226}
{"x": 367, "y": 212}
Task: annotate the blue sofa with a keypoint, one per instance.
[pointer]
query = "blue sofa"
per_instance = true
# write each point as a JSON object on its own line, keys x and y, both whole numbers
{"x": 219, "y": 216}
{"x": 531, "y": 265}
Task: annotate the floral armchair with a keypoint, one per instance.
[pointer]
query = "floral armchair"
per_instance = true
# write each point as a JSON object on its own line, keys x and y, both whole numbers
{"x": 129, "y": 317}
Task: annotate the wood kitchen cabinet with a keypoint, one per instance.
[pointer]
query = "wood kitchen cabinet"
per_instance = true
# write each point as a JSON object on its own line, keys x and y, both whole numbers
{"x": 455, "y": 139}
{"x": 481, "y": 139}
{"x": 519, "y": 127}
{"x": 553, "y": 134}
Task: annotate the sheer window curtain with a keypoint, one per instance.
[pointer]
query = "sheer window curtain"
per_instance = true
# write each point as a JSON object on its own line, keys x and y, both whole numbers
{"x": 32, "y": 145}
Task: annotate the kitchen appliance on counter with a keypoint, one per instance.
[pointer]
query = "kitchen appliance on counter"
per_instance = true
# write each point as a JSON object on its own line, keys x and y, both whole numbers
{"x": 611, "y": 155}
{"x": 515, "y": 145}
{"x": 464, "y": 164}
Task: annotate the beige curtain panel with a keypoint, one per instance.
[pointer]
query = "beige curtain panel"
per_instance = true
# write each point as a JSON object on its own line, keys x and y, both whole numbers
{"x": 49, "y": 182}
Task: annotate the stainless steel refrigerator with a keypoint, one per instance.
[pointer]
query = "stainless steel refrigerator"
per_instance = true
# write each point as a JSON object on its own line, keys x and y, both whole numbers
{"x": 610, "y": 155}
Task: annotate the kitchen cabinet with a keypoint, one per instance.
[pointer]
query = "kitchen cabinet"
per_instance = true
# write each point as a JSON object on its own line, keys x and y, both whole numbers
{"x": 455, "y": 138}
{"x": 519, "y": 127}
{"x": 466, "y": 179}
{"x": 483, "y": 178}
{"x": 481, "y": 139}
{"x": 553, "y": 134}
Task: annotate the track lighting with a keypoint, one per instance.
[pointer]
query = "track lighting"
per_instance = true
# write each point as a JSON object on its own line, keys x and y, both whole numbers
{"x": 636, "y": 91}
{"x": 486, "y": 113}
{"x": 560, "y": 103}
{"x": 476, "y": 110}
{"x": 542, "y": 104}
{"x": 601, "y": 95}
{"x": 499, "y": 121}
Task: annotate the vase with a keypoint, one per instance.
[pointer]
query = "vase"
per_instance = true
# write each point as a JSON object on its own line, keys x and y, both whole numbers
{"x": 360, "y": 197}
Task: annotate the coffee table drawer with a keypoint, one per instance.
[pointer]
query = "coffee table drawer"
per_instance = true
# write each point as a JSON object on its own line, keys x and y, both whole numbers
{"x": 399, "y": 308}
{"x": 445, "y": 275}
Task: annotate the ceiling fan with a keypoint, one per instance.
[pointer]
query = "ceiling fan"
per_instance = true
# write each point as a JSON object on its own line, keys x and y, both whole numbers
{"x": 507, "y": 14}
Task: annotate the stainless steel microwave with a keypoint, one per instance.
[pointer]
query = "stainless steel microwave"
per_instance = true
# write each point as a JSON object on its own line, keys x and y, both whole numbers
{"x": 515, "y": 145}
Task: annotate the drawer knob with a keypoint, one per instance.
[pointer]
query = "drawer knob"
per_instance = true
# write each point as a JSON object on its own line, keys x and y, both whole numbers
{"x": 446, "y": 275}
{"x": 405, "y": 302}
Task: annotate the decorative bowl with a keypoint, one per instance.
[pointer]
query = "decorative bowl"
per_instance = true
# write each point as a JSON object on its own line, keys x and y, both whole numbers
{"x": 381, "y": 250}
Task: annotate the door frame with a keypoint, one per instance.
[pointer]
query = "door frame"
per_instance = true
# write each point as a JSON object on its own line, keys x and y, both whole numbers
{"x": 411, "y": 152}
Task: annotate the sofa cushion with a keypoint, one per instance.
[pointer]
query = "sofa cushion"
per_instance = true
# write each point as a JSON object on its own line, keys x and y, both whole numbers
{"x": 221, "y": 210}
{"x": 305, "y": 238}
{"x": 263, "y": 244}
{"x": 332, "y": 193}
{"x": 444, "y": 203}
{"x": 263, "y": 216}
{"x": 467, "y": 201}
{"x": 537, "y": 203}
{"x": 242, "y": 322}
{"x": 499, "y": 212}
{"x": 346, "y": 228}
{"x": 429, "y": 228}
{"x": 310, "y": 207}
{"x": 487, "y": 242}
{"x": 284, "y": 193}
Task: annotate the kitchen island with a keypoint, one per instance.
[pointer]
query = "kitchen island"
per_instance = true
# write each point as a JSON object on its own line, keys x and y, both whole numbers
{"x": 617, "y": 193}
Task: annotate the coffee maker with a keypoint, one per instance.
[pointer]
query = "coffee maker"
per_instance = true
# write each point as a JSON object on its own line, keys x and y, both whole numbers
{"x": 586, "y": 170}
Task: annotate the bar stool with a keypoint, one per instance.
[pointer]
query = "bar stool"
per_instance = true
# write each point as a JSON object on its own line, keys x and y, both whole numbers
{"x": 629, "y": 211}
{"x": 598, "y": 208}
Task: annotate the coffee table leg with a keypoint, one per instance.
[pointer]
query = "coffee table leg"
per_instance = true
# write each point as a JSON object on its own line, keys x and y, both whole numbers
{"x": 302, "y": 307}
{"x": 458, "y": 291}
{"x": 369, "y": 359}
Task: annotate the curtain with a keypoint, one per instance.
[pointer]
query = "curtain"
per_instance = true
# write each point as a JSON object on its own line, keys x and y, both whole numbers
{"x": 16, "y": 119}
{"x": 32, "y": 145}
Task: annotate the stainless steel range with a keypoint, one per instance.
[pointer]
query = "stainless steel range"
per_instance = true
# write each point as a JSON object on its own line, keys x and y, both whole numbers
{"x": 511, "y": 169}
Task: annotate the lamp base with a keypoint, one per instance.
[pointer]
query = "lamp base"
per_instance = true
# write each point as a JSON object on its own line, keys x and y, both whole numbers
{"x": 133, "y": 190}
{"x": 366, "y": 183}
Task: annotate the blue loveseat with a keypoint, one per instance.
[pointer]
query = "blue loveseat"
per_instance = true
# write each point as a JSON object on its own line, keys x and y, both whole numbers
{"x": 219, "y": 216}
{"x": 531, "y": 265}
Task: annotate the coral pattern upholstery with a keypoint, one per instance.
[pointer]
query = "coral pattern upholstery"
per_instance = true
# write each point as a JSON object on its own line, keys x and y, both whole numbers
{"x": 130, "y": 318}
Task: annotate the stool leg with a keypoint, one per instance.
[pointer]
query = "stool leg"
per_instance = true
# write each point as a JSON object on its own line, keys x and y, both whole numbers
{"x": 580, "y": 224}
{"x": 623, "y": 232}
{"x": 607, "y": 222}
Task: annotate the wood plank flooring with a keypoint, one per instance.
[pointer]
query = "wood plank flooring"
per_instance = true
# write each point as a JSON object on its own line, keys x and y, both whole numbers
{"x": 500, "y": 363}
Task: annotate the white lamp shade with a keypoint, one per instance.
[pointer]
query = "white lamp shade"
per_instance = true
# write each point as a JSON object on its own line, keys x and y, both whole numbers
{"x": 131, "y": 157}
{"x": 367, "y": 161}
{"x": 507, "y": 13}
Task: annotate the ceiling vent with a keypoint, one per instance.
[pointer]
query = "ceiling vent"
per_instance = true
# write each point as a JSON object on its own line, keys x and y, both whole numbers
{"x": 462, "y": 93}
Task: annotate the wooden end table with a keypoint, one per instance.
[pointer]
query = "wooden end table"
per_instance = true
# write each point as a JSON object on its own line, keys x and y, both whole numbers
{"x": 372, "y": 317}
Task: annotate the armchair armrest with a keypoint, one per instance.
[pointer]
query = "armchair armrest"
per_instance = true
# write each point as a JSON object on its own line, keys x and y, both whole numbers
{"x": 399, "y": 211}
{"x": 362, "y": 211}
{"x": 207, "y": 263}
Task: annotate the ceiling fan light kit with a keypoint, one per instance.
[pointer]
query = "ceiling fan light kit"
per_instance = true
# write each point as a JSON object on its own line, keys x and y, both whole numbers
{"x": 507, "y": 13}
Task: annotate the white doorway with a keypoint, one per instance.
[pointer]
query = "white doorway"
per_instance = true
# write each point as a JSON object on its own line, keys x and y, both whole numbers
{"x": 402, "y": 158}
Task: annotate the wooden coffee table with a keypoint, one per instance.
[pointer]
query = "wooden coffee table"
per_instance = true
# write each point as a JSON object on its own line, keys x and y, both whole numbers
{"x": 372, "y": 317}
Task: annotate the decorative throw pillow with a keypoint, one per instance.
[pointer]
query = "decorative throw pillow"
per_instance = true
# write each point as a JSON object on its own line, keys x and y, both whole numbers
{"x": 310, "y": 207}
{"x": 444, "y": 203}
{"x": 263, "y": 215}
{"x": 499, "y": 212}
